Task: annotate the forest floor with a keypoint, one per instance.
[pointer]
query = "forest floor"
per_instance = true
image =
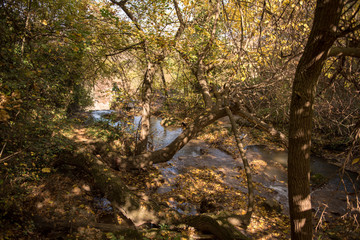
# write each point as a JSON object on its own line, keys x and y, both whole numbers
{"x": 60, "y": 203}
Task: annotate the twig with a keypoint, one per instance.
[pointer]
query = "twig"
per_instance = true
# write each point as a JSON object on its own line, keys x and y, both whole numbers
{"x": 321, "y": 217}
{"x": 10, "y": 156}
{"x": 2, "y": 150}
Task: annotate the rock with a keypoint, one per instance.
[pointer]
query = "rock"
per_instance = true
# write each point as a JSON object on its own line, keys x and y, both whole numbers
{"x": 129, "y": 106}
{"x": 272, "y": 205}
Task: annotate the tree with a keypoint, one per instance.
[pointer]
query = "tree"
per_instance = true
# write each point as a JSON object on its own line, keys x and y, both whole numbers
{"x": 155, "y": 48}
{"x": 45, "y": 51}
{"x": 324, "y": 32}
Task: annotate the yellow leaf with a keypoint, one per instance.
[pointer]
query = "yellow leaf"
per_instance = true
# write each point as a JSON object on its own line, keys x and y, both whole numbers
{"x": 356, "y": 160}
{"x": 46, "y": 170}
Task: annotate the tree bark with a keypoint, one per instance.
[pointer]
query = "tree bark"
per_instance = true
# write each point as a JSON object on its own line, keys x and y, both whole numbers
{"x": 322, "y": 37}
{"x": 344, "y": 51}
{"x": 205, "y": 90}
{"x": 146, "y": 93}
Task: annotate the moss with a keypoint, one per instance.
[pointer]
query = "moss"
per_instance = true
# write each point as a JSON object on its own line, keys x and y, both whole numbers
{"x": 317, "y": 180}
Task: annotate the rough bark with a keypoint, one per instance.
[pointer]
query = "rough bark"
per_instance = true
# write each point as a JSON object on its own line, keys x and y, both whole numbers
{"x": 322, "y": 37}
{"x": 146, "y": 93}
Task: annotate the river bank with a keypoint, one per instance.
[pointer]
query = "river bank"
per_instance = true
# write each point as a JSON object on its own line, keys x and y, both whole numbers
{"x": 268, "y": 165}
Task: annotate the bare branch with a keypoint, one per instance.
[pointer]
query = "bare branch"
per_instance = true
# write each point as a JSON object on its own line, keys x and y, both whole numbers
{"x": 344, "y": 51}
{"x": 121, "y": 50}
{"x": 121, "y": 4}
{"x": 348, "y": 31}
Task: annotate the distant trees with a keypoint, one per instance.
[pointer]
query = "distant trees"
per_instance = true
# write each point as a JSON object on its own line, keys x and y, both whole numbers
{"x": 45, "y": 56}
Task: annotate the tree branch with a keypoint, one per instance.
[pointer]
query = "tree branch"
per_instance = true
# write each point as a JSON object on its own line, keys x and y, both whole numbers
{"x": 121, "y": 50}
{"x": 121, "y": 4}
{"x": 347, "y": 31}
{"x": 344, "y": 51}
{"x": 181, "y": 21}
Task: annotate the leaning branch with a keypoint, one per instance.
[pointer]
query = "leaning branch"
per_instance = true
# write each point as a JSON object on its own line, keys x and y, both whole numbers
{"x": 262, "y": 125}
{"x": 166, "y": 153}
{"x": 205, "y": 119}
{"x": 245, "y": 161}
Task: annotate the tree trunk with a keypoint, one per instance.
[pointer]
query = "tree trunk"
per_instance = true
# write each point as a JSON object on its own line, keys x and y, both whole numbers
{"x": 164, "y": 82}
{"x": 26, "y": 29}
{"x": 205, "y": 90}
{"x": 251, "y": 197}
{"x": 146, "y": 108}
{"x": 322, "y": 37}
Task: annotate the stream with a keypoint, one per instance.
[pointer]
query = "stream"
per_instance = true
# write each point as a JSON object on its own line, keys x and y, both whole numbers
{"x": 271, "y": 168}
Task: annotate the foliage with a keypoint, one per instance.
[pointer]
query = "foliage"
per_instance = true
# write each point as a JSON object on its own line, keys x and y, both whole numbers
{"x": 53, "y": 52}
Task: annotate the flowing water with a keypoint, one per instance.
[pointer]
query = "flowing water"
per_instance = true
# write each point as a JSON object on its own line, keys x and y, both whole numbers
{"x": 328, "y": 186}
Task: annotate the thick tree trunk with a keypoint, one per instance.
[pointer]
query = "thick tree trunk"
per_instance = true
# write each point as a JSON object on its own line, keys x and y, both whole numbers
{"x": 146, "y": 93}
{"x": 322, "y": 37}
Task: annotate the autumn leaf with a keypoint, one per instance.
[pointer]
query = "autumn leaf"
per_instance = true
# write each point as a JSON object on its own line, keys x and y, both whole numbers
{"x": 46, "y": 170}
{"x": 356, "y": 160}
